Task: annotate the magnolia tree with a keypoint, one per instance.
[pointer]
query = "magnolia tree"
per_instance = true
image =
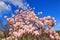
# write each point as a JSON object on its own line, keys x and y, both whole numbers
{"x": 27, "y": 25}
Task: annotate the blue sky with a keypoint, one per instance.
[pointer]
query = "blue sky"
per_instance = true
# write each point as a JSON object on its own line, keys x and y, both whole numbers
{"x": 48, "y": 7}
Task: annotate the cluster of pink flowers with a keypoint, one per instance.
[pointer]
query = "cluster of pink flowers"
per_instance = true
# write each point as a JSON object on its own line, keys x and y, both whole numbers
{"x": 28, "y": 23}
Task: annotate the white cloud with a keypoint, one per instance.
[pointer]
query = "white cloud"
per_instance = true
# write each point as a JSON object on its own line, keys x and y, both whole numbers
{"x": 19, "y": 3}
{"x": 4, "y": 7}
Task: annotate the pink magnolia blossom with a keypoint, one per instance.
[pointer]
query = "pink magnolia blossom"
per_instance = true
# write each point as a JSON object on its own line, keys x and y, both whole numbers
{"x": 36, "y": 33}
{"x": 52, "y": 37}
{"x": 15, "y": 34}
{"x": 17, "y": 23}
{"x": 17, "y": 11}
{"x": 28, "y": 23}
